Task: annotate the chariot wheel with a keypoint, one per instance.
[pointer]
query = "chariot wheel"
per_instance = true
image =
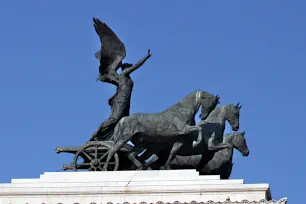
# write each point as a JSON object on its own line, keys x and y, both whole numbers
{"x": 94, "y": 156}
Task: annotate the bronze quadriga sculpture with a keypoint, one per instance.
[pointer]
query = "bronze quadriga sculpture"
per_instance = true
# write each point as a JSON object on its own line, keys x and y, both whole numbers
{"x": 171, "y": 138}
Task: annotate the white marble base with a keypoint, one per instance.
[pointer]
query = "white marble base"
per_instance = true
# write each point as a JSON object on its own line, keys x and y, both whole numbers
{"x": 133, "y": 187}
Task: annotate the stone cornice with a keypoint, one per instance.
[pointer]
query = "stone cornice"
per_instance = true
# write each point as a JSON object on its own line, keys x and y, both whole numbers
{"x": 281, "y": 201}
{"x": 136, "y": 187}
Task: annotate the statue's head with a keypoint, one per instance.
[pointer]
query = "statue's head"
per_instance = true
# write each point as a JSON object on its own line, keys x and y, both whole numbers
{"x": 208, "y": 103}
{"x": 232, "y": 116}
{"x": 239, "y": 143}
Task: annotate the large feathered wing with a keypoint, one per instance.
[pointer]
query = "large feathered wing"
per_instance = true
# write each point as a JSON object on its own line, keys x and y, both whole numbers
{"x": 112, "y": 50}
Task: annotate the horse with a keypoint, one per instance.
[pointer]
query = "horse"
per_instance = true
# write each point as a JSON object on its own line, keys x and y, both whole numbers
{"x": 215, "y": 163}
{"x": 221, "y": 162}
{"x": 143, "y": 129}
{"x": 212, "y": 136}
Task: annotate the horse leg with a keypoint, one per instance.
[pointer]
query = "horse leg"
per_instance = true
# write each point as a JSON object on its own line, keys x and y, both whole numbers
{"x": 199, "y": 139}
{"x": 153, "y": 160}
{"x": 132, "y": 156}
{"x": 158, "y": 157}
{"x": 116, "y": 146}
{"x": 213, "y": 147}
{"x": 194, "y": 131}
{"x": 173, "y": 152}
{"x": 144, "y": 156}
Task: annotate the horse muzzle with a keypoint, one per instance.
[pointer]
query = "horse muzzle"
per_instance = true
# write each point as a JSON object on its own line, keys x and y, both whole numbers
{"x": 246, "y": 153}
{"x": 235, "y": 128}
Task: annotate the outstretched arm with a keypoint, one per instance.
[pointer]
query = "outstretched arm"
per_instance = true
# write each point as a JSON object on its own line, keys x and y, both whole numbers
{"x": 129, "y": 70}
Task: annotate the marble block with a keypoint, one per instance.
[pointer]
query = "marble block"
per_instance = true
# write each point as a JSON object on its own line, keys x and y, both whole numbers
{"x": 167, "y": 186}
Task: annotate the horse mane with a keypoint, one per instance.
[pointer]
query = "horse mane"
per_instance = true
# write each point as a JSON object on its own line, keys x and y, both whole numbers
{"x": 192, "y": 94}
{"x": 186, "y": 99}
{"x": 182, "y": 101}
{"x": 227, "y": 137}
{"x": 205, "y": 93}
{"x": 214, "y": 114}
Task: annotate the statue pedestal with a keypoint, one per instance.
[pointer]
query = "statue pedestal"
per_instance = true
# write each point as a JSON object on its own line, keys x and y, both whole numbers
{"x": 133, "y": 187}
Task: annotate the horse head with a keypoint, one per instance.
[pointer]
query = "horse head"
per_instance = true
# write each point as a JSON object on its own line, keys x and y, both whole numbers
{"x": 239, "y": 143}
{"x": 232, "y": 113}
{"x": 208, "y": 103}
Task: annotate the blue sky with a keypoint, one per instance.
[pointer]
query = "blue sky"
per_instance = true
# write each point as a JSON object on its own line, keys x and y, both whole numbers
{"x": 248, "y": 51}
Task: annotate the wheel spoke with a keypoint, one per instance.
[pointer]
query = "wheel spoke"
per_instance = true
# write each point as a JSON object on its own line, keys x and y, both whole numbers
{"x": 104, "y": 155}
{"x": 87, "y": 155}
{"x": 94, "y": 156}
{"x": 96, "y": 152}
